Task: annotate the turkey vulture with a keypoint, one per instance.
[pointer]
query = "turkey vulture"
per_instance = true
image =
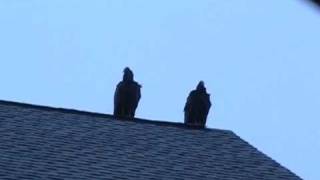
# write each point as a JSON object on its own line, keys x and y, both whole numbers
{"x": 127, "y": 96}
{"x": 197, "y": 106}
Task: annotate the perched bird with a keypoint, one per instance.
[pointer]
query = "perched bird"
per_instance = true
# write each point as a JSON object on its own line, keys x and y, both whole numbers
{"x": 127, "y": 95}
{"x": 197, "y": 106}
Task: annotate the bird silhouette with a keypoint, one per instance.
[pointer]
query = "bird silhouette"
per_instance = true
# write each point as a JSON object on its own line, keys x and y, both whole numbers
{"x": 127, "y": 95}
{"x": 197, "y": 106}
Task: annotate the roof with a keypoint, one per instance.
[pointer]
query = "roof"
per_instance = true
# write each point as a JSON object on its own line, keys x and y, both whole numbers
{"x": 38, "y": 142}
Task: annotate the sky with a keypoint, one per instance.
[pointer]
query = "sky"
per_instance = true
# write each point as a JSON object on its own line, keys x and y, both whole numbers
{"x": 259, "y": 60}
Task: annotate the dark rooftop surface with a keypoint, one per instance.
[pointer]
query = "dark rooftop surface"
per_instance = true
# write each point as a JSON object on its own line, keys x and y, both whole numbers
{"x": 38, "y": 142}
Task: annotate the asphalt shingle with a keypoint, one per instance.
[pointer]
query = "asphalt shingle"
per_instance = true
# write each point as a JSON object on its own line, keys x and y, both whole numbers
{"x": 49, "y": 143}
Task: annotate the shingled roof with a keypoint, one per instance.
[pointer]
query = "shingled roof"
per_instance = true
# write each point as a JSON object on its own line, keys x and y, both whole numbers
{"x": 38, "y": 142}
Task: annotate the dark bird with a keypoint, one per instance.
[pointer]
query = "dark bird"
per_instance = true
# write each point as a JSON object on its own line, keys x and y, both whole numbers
{"x": 197, "y": 106}
{"x": 127, "y": 95}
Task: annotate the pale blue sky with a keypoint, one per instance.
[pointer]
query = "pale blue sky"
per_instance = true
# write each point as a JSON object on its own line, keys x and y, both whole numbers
{"x": 259, "y": 59}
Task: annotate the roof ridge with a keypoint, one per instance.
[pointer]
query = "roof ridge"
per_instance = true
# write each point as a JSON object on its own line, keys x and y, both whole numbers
{"x": 97, "y": 114}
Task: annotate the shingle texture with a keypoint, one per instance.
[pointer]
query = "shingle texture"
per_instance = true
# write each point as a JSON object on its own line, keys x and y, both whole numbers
{"x": 48, "y": 143}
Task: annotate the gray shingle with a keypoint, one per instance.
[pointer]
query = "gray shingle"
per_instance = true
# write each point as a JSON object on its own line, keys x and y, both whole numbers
{"x": 49, "y": 143}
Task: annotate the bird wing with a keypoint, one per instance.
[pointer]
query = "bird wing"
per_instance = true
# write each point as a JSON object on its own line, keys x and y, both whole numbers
{"x": 188, "y": 104}
{"x": 208, "y": 103}
{"x": 117, "y": 95}
{"x": 137, "y": 90}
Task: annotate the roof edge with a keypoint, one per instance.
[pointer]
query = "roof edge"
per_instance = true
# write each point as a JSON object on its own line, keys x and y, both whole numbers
{"x": 96, "y": 114}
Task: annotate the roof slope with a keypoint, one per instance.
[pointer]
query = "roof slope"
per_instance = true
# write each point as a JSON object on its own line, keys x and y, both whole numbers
{"x": 48, "y": 143}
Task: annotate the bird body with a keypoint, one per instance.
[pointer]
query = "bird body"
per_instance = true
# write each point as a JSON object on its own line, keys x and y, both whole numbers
{"x": 197, "y": 106}
{"x": 127, "y": 96}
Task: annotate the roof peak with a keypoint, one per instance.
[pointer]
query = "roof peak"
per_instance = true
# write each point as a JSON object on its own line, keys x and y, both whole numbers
{"x": 97, "y": 114}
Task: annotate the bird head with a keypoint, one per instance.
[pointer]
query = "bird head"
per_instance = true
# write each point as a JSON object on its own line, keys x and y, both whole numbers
{"x": 128, "y": 74}
{"x": 200, "y": 86}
